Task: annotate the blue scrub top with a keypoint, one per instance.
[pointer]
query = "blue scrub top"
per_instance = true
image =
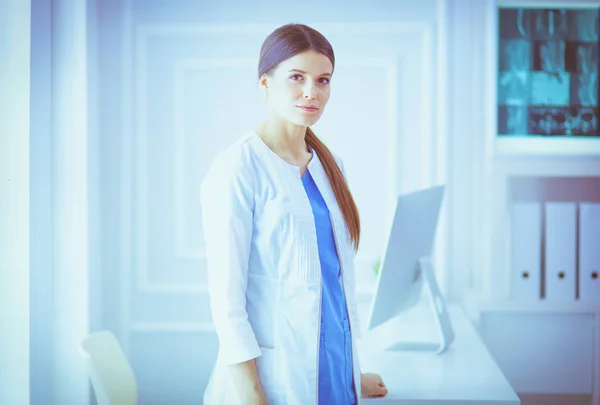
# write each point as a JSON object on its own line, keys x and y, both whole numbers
{"x": 336, "y": 385}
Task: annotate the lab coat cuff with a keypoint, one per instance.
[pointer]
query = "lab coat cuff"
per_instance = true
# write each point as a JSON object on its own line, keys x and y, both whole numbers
{"x": 238, "y": 351}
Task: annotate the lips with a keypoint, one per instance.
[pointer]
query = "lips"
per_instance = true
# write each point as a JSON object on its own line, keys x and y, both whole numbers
{"x": 307, "y": 107}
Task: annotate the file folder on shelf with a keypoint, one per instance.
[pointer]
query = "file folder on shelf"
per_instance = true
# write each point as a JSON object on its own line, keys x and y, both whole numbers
{"x": 526, "y": 251}
{"x": 589, "y": 251}
{"x": 561, "y": 251}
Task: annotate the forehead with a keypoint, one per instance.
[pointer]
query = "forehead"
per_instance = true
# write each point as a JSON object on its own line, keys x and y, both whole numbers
{"x": 312, "y": 62}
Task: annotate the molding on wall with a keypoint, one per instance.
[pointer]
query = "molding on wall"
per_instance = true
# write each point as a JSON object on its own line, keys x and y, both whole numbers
{"x": 171, "y": 327}
{"x": 183, "y": 248}
{"x": 154, "y": 288}
{"x": 547, "y": 3}
{"x": 383, "y": 27}
{"x": 428, "y": 148}
{"x": 596, "y": 371}
{"x": 127, "y": 127}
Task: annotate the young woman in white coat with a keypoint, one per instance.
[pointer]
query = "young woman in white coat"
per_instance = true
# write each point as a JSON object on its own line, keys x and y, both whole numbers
{"x": 281, "y": 230}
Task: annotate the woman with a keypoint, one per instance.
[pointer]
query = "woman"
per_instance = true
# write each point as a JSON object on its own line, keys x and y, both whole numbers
{"x": 281, "y": 230}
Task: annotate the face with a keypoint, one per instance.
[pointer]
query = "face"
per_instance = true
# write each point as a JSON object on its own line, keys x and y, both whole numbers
{"x": 298, "y": 89}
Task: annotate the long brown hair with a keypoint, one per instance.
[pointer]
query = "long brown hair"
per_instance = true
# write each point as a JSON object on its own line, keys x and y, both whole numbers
{"x": 283, "y": 43}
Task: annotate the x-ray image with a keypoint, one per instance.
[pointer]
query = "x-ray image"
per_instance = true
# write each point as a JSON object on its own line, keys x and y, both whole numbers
{"x": 549, "y": 56}
{"x": 549, "y": 24}
{"x": 513, "y": 88}
{"x": 580, "y": 121}
{"x": 548, "y": 72}
{"x": 513, "y": 119}
{"x": 584, "y": 90}
{"x": 549, "y": 88}
{"x": 583, "y": 25}
{"x": 515, "y": 55}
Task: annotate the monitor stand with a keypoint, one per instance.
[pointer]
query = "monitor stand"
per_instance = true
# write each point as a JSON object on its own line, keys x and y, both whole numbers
{"x": 442, "y": 320}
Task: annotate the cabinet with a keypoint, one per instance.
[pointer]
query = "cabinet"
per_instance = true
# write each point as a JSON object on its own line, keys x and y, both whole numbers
{"x": 549, "y": 352}
{"x": 548, "y": 349}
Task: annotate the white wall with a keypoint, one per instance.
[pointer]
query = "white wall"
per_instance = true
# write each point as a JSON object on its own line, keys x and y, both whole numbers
{"x": 40, "y": 214}
{"x": 471, "y": 91}
{"x": 47, "y": 157}
{"x": 174, "y": 74}
{"x": 14, "y": 201}
{"x": 70, "y": 233}
{"x": 447, "y": 113}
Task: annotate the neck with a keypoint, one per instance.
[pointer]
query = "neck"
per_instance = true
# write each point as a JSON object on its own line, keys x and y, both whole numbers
{"x": 284, "y": 138}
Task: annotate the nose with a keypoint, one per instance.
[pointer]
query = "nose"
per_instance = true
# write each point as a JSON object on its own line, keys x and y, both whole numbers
{"x": 309, "y": 91}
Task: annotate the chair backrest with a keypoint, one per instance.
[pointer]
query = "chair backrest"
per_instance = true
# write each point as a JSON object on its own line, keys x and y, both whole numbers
{"x": 111, "y": 375}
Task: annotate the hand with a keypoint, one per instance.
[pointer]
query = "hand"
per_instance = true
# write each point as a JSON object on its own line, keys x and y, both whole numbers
{"x": 255, "y": 397}
{"x": 258, "y": 399}
{"x": 372, "y": 385}
{"x": 247, "y": 384}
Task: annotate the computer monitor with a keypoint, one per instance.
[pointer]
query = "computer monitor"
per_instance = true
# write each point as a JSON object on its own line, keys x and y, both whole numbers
{"x": 406, "y": 267}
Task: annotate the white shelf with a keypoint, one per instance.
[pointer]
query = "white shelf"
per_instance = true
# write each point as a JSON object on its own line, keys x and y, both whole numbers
{"x": 547, "y": 166}
{"x": 547, "y": 145}
{"x": 474, "y": 305}
{"x": 547, "y": 3}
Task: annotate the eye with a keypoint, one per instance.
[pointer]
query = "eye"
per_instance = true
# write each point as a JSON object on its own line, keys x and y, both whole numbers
{"x": 324, "y": 80}
{"x": 296, "y": 77}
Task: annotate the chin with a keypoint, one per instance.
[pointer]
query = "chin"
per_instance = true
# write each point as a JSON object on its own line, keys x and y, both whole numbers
{"x": 304, "y": 121}
{"x": 309, "y": 123}
{"x": 300, "y": 119}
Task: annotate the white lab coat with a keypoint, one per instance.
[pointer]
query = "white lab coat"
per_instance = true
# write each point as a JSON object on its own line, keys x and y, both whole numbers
{"x": 264, "y": 272}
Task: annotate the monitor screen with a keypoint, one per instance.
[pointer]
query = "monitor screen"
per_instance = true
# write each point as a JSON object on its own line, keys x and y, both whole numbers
{"x": 412, "y": 235}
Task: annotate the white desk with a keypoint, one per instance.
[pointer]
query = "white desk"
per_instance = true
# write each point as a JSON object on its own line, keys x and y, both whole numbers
{"x": 464, "y": 374}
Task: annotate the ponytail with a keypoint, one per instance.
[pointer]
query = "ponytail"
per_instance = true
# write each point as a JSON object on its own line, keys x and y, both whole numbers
{"x": 339, "y": 185}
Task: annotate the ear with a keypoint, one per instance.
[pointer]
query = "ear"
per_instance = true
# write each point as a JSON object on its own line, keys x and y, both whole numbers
{"x": 263, "y": 84}
{"x": 264, "y": 81}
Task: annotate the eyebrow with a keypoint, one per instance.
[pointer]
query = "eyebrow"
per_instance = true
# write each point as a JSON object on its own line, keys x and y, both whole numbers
{"x": 303, "y": 72}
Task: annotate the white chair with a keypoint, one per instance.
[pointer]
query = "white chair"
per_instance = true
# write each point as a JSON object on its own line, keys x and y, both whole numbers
{"x": 109, "y": 370}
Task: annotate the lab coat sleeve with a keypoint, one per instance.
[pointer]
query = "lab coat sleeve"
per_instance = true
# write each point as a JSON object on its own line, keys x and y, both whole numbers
{"x": 226, "y": 196}
{"x": 357, "y": 330}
